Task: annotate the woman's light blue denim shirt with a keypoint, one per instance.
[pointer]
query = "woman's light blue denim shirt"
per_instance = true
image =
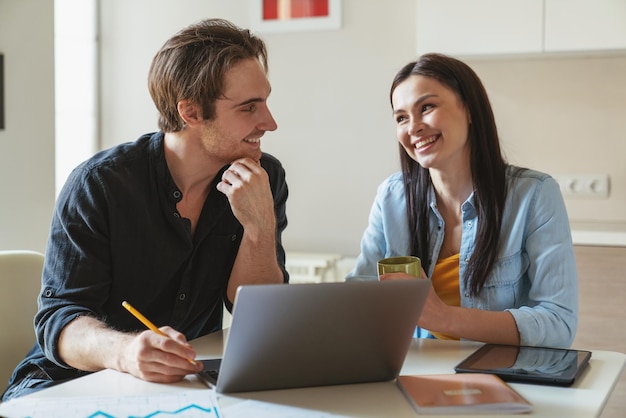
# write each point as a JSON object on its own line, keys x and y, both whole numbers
{"x": 534, "y": 277}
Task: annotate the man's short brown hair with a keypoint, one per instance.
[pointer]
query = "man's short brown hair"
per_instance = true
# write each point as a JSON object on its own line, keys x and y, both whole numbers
{"x": 192, "y": 65}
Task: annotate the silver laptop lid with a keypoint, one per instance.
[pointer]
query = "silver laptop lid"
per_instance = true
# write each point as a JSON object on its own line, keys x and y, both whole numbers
{"x": 287, "y": 336}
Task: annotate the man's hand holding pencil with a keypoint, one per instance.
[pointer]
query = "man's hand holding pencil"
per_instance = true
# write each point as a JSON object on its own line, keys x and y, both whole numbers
{"x": 159, "y": 354}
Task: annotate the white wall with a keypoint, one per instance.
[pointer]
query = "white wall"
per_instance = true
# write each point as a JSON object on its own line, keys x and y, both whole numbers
{"x": 330, "y": 98}
{"x": 27, "y": 143}
{"x": 335, "y": 137}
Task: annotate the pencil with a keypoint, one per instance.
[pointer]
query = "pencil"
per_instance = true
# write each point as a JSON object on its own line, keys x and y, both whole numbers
{"x": 147, "y": 323}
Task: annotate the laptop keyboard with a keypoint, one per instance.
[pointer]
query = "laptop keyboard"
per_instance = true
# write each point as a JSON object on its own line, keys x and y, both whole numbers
{"x": 210, "y": 373}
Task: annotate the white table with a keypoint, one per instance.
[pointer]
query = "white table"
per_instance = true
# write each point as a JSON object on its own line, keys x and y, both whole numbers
{"x": 585, "y": 398}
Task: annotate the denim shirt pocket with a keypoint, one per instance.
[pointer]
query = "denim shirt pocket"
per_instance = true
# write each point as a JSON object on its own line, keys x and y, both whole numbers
{"x": 505, "y": 286}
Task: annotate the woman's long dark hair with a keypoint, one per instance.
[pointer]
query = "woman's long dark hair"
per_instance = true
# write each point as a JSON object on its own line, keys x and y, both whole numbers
{"x": 486, "y": 163}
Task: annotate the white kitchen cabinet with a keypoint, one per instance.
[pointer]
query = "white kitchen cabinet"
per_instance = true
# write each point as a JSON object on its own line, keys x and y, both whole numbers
{"x": 479, "y": 27}
{"x": 510, "y": 27}
{"x": 585, "y": 25}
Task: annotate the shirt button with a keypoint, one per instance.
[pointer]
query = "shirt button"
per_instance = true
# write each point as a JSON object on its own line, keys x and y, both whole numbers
{"x": 182, "y": 296}
{"x": 466, "y": 295}
{"x": 233, "y": 237}
{"x": 176, "y": 194}
{"x": 176, "y": 215}
{"x": 48, "y": 293}
{"x": 469, "y": 223}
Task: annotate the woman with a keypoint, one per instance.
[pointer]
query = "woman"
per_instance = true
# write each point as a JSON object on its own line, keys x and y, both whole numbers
{"x": 494, "y": 239}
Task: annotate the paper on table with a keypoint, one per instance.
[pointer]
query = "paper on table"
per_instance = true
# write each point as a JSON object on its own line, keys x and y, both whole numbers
{"x": 259, "y": 409}
{"x": 197, "y": 403}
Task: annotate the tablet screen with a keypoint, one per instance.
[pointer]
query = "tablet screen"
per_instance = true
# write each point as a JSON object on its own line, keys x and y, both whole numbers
{"x": 529, "y": 364}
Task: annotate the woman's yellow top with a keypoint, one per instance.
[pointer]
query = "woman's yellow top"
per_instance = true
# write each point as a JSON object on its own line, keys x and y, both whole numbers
{"x": 445, "y": 281}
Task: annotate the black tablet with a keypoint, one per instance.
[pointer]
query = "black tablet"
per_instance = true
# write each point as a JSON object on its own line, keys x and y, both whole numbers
{"x": 551, "y": 366}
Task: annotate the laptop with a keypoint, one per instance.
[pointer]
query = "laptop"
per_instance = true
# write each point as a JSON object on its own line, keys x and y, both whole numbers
{"x": 300, "y": 335}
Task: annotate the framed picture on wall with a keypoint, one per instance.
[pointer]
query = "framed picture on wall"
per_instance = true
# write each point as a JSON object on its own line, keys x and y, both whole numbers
{"x": 272, "y": 16}
{"x": 1, "y": 91}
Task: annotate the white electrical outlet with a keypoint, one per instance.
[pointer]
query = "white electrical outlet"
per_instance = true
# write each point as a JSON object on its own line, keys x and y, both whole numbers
{"x": 584, "y": 185}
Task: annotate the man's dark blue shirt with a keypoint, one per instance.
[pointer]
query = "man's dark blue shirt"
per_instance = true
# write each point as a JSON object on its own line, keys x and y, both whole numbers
{"x": 116, "y": 235}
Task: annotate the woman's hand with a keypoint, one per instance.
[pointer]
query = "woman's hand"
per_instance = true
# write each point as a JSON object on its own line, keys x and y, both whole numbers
{"x": 433, "y": 313}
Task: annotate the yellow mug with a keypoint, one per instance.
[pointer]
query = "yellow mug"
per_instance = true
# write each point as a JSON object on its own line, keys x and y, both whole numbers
{"x": 402, "y": 264}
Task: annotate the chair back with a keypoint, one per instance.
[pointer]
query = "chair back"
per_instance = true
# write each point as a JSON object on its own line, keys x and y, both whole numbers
{"x": 20, "y": 283}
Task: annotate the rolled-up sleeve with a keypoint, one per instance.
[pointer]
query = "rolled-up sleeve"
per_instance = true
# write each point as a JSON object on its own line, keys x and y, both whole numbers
{"x": 549, "y": 316}
{"x": 76, "y": 276}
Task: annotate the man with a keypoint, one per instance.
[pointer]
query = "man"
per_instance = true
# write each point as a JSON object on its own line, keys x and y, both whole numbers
{"x": 173, "y": 222}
